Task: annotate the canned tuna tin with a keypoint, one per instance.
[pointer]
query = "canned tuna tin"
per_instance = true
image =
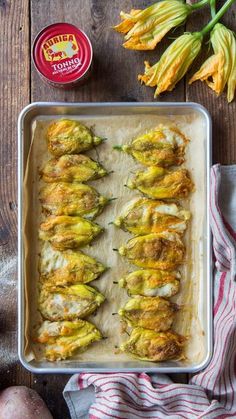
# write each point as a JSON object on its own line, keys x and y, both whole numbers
{"x": 62, "y": 55}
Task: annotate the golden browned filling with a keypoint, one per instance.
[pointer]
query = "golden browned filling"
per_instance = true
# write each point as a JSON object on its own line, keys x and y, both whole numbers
{"x": 65, "y": 232}
{"x": 156, "y": 251}
{"x": 66, "y": 136}
{"x": 67, "y": 267}
{"x": 62, "y": 339}
{"x": 151, "y": 283}
{"x": 153, "y": 313}
{"x": 72, "y": 168}
{"x": 68, "y": 303}
{"x": 162, "y": 146}
{"x": 159, "y": 183}
{"x": 72, "y": 199}
{"x": 145, "y": 216}
{"x": 148, "y": 345}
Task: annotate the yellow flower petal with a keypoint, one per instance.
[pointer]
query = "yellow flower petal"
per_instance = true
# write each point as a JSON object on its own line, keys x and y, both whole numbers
{"x": 145, "y": 28}
{"x": 127, "y": 22}
{"x": 173, "y": 64}
{"x": 207, "y": 70}
{"x": 219, "y": 70}
{"x": 232, "y": 76}
{"x": 145, "y": 43}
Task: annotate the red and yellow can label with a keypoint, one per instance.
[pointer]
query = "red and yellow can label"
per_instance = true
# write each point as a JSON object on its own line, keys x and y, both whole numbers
{"x": 62, "y": 54}
{"x": 60, "y": 47}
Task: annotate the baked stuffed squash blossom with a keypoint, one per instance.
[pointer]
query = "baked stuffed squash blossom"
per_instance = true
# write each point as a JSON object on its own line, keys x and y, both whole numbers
{"x": 153, "y": 313}
{"x": 66, "y": 136}
{"x": 65, "y": 232}
{"x": 72, "y": 168}
{"x": 67, "y": 267}
{"x": 64, "y": 339}
{"x": 144, "y": 216}
{"x": 72, "y": 199}
{"x": 148, "y": 345}
{"x": 163, "y": 251}
{"x": 159, "y": 183}
{"x": 163, "y": 146}
{"x": 151, "y": 283}
{"x": 68, "y": 303}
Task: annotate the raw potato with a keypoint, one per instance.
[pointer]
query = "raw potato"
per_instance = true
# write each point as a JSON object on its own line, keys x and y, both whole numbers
{"x": 20, "y": 402}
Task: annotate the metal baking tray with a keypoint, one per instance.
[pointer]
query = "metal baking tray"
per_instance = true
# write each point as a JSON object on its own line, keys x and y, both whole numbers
{"x": 55, "y": 109}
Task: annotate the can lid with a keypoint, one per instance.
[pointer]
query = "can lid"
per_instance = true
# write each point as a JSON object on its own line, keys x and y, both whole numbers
{"x": 62, "y": 53}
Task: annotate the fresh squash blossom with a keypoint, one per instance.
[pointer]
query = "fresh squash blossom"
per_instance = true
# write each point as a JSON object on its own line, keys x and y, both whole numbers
{"x": 173, "y": 64}
{"x": 219, "y": 70}
{"x": 144, "y": 29}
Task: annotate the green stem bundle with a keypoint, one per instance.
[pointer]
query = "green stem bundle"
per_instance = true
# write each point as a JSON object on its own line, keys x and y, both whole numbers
{"x": 213, "y": 8}
{"x": 199, "y": 4}
{"x": 217, "y": 17}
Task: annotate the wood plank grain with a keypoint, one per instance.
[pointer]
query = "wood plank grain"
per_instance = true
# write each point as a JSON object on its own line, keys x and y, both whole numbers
{"x": 223, "y": 114}
{"x": 14, "y": 93}
{"x": 115, "y": 69}
{"x": 50, "y": 388}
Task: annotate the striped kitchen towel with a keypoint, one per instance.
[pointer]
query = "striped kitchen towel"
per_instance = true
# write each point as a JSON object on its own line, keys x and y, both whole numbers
{"x": 212, "y": 392}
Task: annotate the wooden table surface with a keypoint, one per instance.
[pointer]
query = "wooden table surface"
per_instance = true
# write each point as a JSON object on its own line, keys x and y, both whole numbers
{"x": 114, "y": 79}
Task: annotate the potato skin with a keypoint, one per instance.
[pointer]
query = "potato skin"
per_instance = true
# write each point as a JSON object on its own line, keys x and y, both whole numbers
{"x": 20, "y": 402}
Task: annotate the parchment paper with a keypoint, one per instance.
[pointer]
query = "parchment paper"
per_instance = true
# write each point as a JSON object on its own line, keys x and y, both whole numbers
{"x": 118, "y": 130}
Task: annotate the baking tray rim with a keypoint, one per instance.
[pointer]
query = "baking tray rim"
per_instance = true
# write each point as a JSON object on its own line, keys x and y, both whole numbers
{"x": 21, "y": 302}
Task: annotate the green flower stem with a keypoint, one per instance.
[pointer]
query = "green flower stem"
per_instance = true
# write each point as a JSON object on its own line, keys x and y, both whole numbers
{"x": 217, "y": 17}
{"x": 199, "y": 4}
{"x": 213, "y": 8}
